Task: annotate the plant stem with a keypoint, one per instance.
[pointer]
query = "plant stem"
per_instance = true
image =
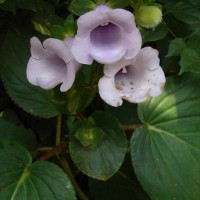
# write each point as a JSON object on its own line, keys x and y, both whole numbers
{"x": 44, "y": 148}
{"x": 130, "y": 127}
{"x": 55, "y": 151}
{"x": 68, "y": 171}
{"x": 170, "y": 30}
{"x": 58, "y": 129}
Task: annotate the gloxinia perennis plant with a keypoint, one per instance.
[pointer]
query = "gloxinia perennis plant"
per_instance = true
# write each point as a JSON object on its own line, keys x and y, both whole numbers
{"x": 133, "y": 80}
{"x": 52, "y": 65}
{"x": 110, "y": 37}
{"x": 106, "y": 35}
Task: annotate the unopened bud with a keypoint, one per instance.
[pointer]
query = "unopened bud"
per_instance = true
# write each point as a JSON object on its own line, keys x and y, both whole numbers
{"x": 148, "y": 16}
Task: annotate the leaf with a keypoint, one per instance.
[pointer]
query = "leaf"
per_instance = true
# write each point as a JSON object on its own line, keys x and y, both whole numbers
{"x": 170, "y": 65}
{"x": 177, "y": 28}
{"x": 30, "y": 98}
{"x": 80, "y": 7}
{"x": 21, "y": 180}
{"x": 70, "y": 25}
{"x": 185, "y": 12}
{"x": 106, "y": 158}
{"x": 45, "y": 17}
{"x": 117, "y": 3}
{"x": 166, "y": 148}
{"x": 190, "y": 61}
{"x": 89, "y": 137}
{"x": 176, "y": 47}
{"x": 24, "y": 4}
{"x": 83, "y": 91}
{"x": 2, "y": 1}
{"x": 58, "y": 32}
{"x": 25, "y": 137}
{"x": 9, "y": 5}
{"x": 99, "y": 1}
{"x": 121, "y": 113}
{"x": 122, "y": 185}
{"x": 190, "y": 58}
{"x": 154, "y": 34}
{"x": 68, "y": 30}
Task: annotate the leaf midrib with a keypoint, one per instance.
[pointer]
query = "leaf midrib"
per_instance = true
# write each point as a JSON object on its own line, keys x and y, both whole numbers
{"x": 21, "y": 180}
{"x": 153, "y": 128}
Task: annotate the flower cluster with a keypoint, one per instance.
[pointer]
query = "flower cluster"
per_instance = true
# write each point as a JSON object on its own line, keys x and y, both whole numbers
{"x": 110, "y": 37}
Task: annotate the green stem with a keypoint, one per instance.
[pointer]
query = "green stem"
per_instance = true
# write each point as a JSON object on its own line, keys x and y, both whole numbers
{"x": 169, "y": 29}
{"x": 68, "y": 171}
{"x": 58, "y": 129}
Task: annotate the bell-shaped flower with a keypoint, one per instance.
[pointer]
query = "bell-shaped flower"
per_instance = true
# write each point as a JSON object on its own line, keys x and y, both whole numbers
{"x": 106, "y": 35}
{"x": 51, "y": 64}
{"x": 133, "y": 80}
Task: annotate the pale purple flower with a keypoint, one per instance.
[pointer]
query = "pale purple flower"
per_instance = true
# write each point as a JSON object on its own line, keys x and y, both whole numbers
{"x": 51, "y": 64}
{"x": 106, "y": 35}
{"x": 133, "y": 80}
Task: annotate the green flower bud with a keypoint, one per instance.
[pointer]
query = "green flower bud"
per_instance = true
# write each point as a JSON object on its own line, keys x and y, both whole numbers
{"x": 89, "y": 137}
{"x": 148, "y": 16}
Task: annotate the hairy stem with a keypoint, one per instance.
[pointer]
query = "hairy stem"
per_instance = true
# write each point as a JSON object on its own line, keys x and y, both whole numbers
{"x": 53, "y": 152}
{"x": 68, "y": 171}
{"x": 130, "y": 127}
{"x": 58, "y": 129}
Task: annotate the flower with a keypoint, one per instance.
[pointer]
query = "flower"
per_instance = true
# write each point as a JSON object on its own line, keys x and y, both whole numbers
{"x": 133, "y": 80}
{"x": 51, "y": 65}
{"x": 106, "y": 35}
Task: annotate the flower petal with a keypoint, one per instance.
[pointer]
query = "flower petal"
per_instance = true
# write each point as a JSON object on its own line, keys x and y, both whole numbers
{"x": 37, "y": 50}
{"x": 107, "y": 43}
{"x": 89, "y": 21}
{"x": 136, "y": 79}
{"x": 81, "y": 50}
{"x": 56, "y": 65}
{"x": 57, "y": 47}
{"x": 106, "y": 37}
{"x": 133, "y": 43}
{"x": 103, "y": 8}
{"x": 108, "y": 92}
{"x": 150, "y": 84}
{"x": 47, "y": 72}
{"x": 111, "y": 69}
{"x": 69, "y": 78}
{"x": 122, "y": 18}
{"x": 148, "y": 58}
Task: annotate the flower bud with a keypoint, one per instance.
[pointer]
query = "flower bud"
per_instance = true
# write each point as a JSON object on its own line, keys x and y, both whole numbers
{"x": 89, "y": 137}
{"x": 148, "y": 16}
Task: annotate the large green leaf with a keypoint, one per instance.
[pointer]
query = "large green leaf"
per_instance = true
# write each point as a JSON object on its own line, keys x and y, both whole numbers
{"x": 14, "y": 56}
{"x": 185, "y": 12}
{"x": 166, "y": 149}
{"x": 18, "y": 134}
{"x": 176, "y": 47}
{"x": 2, "y": 1}
{"x": 21, "y": 180}
{"x": 150, "y": 35}
{"x": 99, "y": 159}
{"x": 170, "y": 65}
{"x": 190, "y": 58}
{"x": 123, "y": 185}
{"x": 121, "y": 113}
{"x": 190, "y": 61}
